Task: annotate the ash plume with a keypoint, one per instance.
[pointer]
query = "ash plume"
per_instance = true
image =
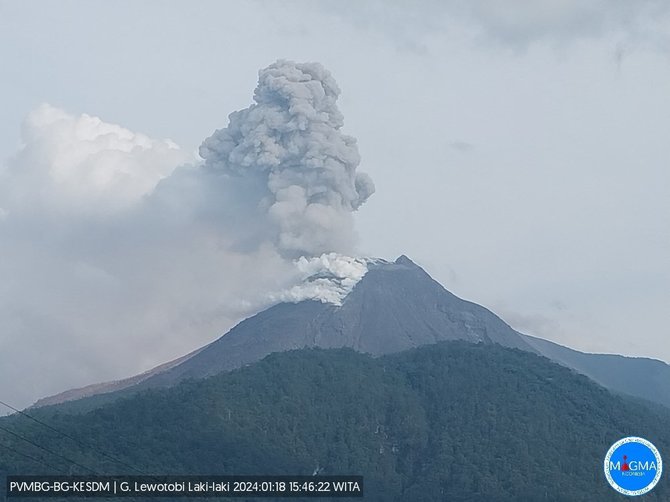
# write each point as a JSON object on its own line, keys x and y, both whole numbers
{"x": 290, "y": 147}
{"x": 119, "y": 252}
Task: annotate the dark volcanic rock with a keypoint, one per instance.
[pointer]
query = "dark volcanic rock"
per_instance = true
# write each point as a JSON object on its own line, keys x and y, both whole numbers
{"x": 396, "y": 306}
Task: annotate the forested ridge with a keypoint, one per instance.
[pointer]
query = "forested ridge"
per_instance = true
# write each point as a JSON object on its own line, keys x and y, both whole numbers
{"x": 452, "y": 421}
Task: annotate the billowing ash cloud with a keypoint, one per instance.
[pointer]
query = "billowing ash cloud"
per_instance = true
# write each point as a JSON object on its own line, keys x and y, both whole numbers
{"x": 289, "y": 144}
{"x": 119, "y": 252}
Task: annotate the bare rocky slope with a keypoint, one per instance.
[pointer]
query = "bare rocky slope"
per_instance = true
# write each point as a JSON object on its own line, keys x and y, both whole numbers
{"x": 394, "y": 307}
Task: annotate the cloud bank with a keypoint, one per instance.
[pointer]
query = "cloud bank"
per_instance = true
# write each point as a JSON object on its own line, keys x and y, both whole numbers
{"x": 119, "y": 251}
{"x": 80, "y": 163}
{"x": 514, "y": 23}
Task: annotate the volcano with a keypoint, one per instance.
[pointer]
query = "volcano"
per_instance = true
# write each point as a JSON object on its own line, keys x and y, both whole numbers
{"x": 395, "y": 306}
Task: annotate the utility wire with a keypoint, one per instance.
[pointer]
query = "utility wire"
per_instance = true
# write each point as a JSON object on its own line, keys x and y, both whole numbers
{"x": 34, "y": 459}
{"x": 79, "y": 442}
{"x": 22, "y": 438}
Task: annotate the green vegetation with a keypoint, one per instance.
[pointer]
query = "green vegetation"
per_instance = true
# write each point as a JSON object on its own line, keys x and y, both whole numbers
{"x": 453, "y": 421}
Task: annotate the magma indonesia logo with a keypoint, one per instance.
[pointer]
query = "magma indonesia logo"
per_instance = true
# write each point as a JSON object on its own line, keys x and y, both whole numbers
{"x": 633, "y": 466}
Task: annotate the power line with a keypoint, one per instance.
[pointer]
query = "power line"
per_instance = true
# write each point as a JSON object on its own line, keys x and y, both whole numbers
{"x": 79, "y": 442}
{"x": 19, "y": 436}
{"x": 34, "y": 459}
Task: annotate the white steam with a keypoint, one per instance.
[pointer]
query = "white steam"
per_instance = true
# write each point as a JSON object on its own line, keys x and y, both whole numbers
{"x": 328, "y": 278}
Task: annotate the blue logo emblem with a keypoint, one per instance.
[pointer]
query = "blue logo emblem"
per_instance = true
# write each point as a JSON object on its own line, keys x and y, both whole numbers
{"x": 633, "y": 466}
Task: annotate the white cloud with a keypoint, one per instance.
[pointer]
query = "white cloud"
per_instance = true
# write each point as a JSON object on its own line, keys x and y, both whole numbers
{"x": 80, "y": 163}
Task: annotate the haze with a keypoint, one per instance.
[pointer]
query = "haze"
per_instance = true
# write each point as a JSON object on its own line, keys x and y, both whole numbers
{"x": 520, "y": 155}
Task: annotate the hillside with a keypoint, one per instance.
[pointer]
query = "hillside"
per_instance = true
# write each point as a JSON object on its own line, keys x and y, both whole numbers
{"x": 642, "y": 377}
{"x": 394, "y": 307}
{"x": 454, "y": 421}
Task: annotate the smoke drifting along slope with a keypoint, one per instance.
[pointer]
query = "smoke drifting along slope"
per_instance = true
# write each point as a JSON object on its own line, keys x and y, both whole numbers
{"x": 119, "y": 251}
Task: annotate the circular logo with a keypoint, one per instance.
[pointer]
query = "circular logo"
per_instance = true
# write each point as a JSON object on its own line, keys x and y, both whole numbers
{"x": 633, "y": 466}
